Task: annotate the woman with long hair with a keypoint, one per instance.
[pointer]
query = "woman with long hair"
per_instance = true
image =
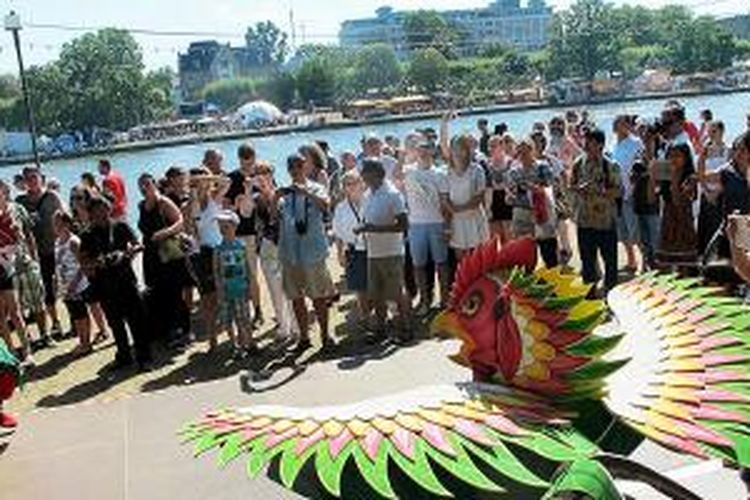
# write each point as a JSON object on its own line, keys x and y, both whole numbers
{"x": 498, "y": 166}
{"x": 679, "y": 240}
{"x": 208, "y": 192}
{"x": 164, "y": 269}
{"x": 714, "y": 155}
{"x": 467, "y": 184}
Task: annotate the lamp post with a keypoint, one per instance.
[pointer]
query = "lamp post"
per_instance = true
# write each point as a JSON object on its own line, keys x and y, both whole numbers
{"x": 13, "y": 24}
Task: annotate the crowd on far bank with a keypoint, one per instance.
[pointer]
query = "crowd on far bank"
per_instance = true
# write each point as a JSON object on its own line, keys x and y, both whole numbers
{"x": 397, "y": 214}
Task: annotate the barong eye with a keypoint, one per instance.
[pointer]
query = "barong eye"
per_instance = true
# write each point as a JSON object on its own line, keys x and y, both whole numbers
{"x": 471, "y": 305}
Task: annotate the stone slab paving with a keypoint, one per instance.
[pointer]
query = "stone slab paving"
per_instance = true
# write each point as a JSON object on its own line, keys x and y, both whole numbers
{"x": 127, "y": 448}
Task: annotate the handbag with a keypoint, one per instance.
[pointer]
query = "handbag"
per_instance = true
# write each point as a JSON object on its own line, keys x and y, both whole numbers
{"x": 171, "y": 249}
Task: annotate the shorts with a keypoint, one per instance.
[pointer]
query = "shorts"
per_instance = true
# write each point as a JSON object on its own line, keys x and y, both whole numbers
{"x": 77, "y": 309}
{"x": 203, "y": 266}
{"x": 356, "y": 270}
{"x": 627, "y": 223}
{"x": 425, "y": 241}
{"x": 523, "y": 222}
{"x": 500, "y": 211}
{"x": 47, "y": 267}
{"x": 237, "y": 312}
{"x": 385, "y": 278}
{"x": 308, "y": 280}
{"x": 251, "y": 250}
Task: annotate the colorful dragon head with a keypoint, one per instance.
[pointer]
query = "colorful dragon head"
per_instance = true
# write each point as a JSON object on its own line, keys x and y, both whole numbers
{"x": 525, "y": 328}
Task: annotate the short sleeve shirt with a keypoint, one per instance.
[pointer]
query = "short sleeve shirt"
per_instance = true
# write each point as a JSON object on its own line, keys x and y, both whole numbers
{"x": 233, "y": 269}
{"x": 296, "y": 210}
{"x": 423, "y": 190}
{"x": 382, "y": 208}
{"x": 520, "y": 179}
{"x": 594, "y": 210}
{"x": 99, "y": 241}
{"x": 625, "y": 153}
{"x": 346, "y": 218}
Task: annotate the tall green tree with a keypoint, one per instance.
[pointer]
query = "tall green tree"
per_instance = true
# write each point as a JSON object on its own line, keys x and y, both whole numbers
{"x": 317, "y": 81}
{"x": 428, "y": 69}
{"x": 104, "y": 74}
{"x": 266, "y": 44}
{"x": 376, "y": 67}
{"x": 584, "y": 40}
{"x": 427, "y": 28}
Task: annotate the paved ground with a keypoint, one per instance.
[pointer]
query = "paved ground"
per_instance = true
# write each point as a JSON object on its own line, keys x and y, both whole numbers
{"x": 127, "y": 449}
{"x": 88, "y": 433}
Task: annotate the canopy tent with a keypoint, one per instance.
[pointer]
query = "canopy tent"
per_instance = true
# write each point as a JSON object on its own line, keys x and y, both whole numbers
{"x": 258, "y": 112}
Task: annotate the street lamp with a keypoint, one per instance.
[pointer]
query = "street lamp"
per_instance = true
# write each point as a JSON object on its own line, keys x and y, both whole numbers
{"x": 13, "y": 24}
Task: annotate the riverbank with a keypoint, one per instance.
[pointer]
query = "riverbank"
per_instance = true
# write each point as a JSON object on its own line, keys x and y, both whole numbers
{"x": 427, "y": 115}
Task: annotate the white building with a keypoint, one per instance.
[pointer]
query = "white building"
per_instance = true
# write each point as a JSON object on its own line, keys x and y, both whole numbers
{"x": 503, "y": 22}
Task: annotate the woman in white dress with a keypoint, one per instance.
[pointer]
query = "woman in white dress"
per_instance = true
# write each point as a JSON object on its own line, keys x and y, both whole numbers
{"x": 467, "y": 185}
{"x": 715, "y": 154}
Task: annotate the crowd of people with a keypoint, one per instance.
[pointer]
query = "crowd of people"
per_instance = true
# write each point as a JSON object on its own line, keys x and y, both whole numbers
{"x": 398, "y": 213}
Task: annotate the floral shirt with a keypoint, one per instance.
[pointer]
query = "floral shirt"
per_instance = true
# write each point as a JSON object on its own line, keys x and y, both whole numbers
{"x": 596, "y": 200}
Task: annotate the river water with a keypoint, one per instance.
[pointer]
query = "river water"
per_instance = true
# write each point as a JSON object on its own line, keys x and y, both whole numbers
{"x": 731, "y": 108}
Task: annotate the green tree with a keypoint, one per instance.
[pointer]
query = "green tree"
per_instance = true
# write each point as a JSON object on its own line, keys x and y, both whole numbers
{"x": 316, "y": 81}
{"x": 584, "y": 40}
{"x": 279, "y": 89}
{"x": 10, "y": 87}
{"x": 50, "y": 98}
{"x": 376, "y": 67}
{"x": 702, "y": 45}
{"x": 229, "y": 94}
{"x": 103, "y": 72}
{"x": 428, "y": 69}
{"x": 427, "y": 28}
{"x": 266, "y": 44}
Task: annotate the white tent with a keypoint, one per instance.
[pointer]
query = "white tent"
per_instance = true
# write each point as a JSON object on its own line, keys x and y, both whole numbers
{"x": 258, "y": 112}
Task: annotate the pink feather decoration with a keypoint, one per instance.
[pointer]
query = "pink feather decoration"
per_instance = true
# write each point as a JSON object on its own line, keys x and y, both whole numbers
{"x": 435, "y": 436}
{"x": 337, "y": 444}
{"x": 306, "y": 441}
{"x": 371, "y": 442}
{"x": 403, "y": 440}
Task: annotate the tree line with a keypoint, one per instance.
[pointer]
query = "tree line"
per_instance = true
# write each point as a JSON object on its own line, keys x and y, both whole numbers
{"x": 99, "y": 79}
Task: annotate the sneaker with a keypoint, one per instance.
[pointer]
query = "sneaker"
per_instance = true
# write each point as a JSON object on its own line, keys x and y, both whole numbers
{"x": 7, "y": 421}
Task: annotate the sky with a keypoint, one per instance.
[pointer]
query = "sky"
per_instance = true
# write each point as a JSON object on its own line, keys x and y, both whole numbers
{"x": 225, "y": 20}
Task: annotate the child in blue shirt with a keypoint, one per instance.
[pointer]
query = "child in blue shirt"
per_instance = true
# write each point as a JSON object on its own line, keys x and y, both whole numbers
{"x": 233, "y": 276}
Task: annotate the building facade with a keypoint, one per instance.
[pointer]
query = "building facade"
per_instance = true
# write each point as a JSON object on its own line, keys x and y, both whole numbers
{"x": 503, "y": 22}
{"x": 203, "y": 63}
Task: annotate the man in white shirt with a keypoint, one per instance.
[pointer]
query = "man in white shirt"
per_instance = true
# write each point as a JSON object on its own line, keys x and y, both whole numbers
{"x": 626, "y": 151}
{"x": 424, "y": 184}
{"x": 372, "y": 148}
{"x": 385, "y": 222}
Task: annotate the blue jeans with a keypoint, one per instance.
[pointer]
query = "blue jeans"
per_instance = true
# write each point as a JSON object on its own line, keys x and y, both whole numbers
{"x": 591, "y": 244}
{"x": 648, "y": 232}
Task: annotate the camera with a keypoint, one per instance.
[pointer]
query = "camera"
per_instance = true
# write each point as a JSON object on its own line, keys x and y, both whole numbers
{"x": 301, "y": 227}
